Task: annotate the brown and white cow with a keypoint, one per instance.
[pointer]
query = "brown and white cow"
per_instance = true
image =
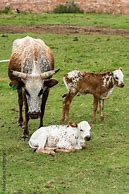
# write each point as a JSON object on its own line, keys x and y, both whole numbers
{"x": 30, "y": 69}
{"x": 99, "y": 85}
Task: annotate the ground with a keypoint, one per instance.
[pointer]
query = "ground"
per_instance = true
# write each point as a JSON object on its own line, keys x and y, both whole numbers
{"x": 63, "y": 29}
{"x": 103, "y": 166}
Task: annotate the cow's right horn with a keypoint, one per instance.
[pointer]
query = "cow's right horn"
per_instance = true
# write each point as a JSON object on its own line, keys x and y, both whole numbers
{"x": 48, "y": 73}
{"x": 19, "y": 74}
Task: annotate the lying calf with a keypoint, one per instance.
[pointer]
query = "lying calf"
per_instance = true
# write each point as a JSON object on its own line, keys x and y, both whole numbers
{"x": 60, "y": 138}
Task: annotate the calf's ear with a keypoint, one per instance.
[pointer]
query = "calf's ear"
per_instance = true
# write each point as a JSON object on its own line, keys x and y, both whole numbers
{"x": 120, "y": 68}
{"x": 72, "y": 124}
{"x": 50, "y": 82}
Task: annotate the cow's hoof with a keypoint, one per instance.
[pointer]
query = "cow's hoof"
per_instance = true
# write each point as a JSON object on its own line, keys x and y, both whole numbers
{"x": 20, "y": 124}
{"x": 26, "y": 137}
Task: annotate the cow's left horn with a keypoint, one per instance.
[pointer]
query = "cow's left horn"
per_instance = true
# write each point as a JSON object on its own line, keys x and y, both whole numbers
{"x": 19, "y": 74}
{"x": 48, "y": 73}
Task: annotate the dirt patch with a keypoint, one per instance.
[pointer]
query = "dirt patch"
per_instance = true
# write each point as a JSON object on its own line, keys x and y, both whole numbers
{"x": 63, "y": 29}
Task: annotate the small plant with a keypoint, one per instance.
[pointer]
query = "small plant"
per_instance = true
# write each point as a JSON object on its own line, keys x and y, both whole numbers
{"x": 69, "y": 7}
{"x": 6, "y": 10}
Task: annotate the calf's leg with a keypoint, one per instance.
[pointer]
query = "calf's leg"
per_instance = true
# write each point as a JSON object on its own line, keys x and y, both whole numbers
{"x": 66, "y": 106}
{"x": 45, "y": 151}
{"x": 95, "y": 106}
{"x": 58, "y": 150}
{"x": 101, "y": 107}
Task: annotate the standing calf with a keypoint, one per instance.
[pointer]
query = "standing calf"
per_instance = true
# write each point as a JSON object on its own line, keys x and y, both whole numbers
{"x": 99, "y": 85}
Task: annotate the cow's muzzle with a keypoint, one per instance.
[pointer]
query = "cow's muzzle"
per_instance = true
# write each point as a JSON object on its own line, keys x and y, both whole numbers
{"x": 87, "y": 138}
{"x": 34, "y": 115}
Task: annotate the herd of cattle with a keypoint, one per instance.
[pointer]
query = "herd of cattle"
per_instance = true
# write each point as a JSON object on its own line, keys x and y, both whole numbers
{"x": 31, "y": 68}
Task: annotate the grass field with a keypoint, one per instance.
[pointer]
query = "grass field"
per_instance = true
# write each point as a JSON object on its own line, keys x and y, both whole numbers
{"x": 103, "y": 167}
{"x": 91, "y": 19}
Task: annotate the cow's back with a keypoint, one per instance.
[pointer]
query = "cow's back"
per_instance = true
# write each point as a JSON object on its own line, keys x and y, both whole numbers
{"x": 29, "y": 51}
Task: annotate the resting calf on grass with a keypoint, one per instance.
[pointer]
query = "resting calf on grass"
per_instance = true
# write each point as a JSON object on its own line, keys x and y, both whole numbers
{"x": 60, "y": 138}
{"x": 99, "y": 85}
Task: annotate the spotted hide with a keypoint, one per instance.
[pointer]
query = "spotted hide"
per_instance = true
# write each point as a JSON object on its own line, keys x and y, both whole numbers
{"x": 60, "y": 138}
{"x": 30, "y": 69}
{"x": 99, "y": 85}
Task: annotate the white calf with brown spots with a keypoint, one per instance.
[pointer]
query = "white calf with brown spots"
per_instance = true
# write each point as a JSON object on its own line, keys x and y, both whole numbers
{"x": 60, "y": 138}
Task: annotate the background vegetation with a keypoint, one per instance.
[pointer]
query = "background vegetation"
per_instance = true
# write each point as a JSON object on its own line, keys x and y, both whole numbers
{"x": 103, "y": 166}
{"x": 70, "y": 7}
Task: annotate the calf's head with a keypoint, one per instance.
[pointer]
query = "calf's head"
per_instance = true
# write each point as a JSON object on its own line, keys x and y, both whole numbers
{"x": 118, "y": 77}
{"x": 84, "y": 129}
{"x": 34, "y": 86}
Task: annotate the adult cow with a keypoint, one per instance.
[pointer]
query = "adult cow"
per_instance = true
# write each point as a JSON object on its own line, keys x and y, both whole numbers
{"x": 30, "y": 69}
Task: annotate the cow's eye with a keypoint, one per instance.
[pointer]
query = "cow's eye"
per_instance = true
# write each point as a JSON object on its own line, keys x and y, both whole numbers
{"x": 41, "y": 92}
{"x": 27, "y": 93}
{"x": 81, "y": 130}
{"x": 116, "y": 78}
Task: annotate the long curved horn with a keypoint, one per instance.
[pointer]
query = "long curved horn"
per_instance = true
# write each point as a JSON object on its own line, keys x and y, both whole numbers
{"x": 48, "y": 73}
{"x": 19, "y": 74}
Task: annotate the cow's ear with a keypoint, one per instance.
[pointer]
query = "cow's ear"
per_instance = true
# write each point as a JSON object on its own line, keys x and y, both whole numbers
{"x": 16, "y": 84}
{"x": 50, "y": 82}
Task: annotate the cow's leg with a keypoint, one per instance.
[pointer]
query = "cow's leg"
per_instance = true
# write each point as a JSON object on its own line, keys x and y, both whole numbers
{"x": 20, "y": 102}
{"x": 44, "y": 100}
{"x": 95, "y": 106}
{"x": 101, "y": 107}
{"x": 66, "y": 106}
{"x": 26, "y": 130}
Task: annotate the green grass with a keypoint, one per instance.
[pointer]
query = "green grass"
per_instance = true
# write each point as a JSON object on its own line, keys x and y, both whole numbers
{"x": 103, "y": 166}
{"x": 91, "y": 19}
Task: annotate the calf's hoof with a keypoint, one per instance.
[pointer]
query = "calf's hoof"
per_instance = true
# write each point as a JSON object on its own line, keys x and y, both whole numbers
{"x": 93, "y": 121}
{"x": 102, "y": 118}
{"x": 62, "y": 119}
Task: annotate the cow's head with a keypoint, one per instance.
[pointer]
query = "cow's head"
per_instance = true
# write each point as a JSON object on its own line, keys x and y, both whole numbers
{"x": 34, "y": 87}
{"x": 84, "y": 130}
{"x": 118, "y": 77}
